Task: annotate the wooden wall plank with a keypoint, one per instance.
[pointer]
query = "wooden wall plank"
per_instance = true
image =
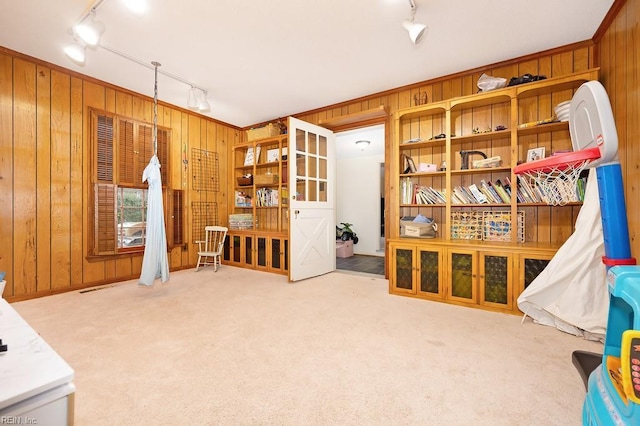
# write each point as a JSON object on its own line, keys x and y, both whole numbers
{"x": 77, "y": 186}
{"x": 632, "y": 158}
{"x": 6, "y": 172}
{"x": 24, "y": 207}
{"x": 43, "y": 180}
{"x": 60, "y": 180}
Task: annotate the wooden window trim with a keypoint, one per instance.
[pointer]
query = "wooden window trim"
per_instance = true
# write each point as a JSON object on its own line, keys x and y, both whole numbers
{"x": 106, "y": 170}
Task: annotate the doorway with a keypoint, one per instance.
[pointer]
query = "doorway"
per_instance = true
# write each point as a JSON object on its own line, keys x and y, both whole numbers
{"x": 360, "y": 191}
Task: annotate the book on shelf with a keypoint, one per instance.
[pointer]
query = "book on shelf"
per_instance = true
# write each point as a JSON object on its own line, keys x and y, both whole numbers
{"x": 407, "y": 191}
{"x": 494, "y": 192}
{"x": 267, "y": 197}
{"x": 479, "y": 196}
{"x": 506, "y": 199}
{"x": 252, "y": 157}
{"x": 488, "y": 192}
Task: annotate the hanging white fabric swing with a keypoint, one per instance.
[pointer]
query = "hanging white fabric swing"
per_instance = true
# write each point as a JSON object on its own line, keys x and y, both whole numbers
{"x": 155, "y": 263}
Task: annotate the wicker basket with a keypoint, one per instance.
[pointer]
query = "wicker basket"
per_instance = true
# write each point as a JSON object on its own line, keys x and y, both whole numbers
{"x": 268, "y": 179}
{"x": 263, "y": 132}
{"x": 245, "y": 180}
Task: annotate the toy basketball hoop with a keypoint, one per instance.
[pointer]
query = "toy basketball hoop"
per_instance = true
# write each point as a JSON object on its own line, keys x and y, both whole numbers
{"x": 555, "y": 177}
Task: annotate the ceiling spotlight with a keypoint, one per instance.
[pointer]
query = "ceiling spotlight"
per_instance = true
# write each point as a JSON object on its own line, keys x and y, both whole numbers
{"x": 416, "y": 31}
{"x": 89, "y": 31}
{"x": 203, "y": 104}
{"x": 362, "y": 144}
{"x": 192, "y": 102}
{"x": 76, "y": 53}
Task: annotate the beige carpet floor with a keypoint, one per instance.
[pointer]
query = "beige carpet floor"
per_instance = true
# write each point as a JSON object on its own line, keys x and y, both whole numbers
{"x": 241, "y": 347}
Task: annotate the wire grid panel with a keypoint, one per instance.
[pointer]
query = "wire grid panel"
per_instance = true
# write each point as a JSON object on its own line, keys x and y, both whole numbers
{"x": 204, "y": 213}
{"x": 206, "y": 170}
{"x": 466, "y": 225}
{"x": 497, "y": 226}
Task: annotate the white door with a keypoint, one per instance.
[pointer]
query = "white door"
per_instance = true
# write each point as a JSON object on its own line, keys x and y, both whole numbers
{"x": 312, "y": 230}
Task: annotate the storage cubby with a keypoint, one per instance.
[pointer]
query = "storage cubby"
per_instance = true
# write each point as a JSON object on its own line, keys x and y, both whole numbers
{"x": 444, "y": 141}
{"x": 259, "y": 238}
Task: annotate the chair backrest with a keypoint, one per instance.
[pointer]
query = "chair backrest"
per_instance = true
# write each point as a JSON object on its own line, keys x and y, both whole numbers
{"x": 215, "y": 236}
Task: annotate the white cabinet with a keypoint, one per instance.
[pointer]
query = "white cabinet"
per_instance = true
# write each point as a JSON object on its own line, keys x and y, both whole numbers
{"x": 36, "y": 383}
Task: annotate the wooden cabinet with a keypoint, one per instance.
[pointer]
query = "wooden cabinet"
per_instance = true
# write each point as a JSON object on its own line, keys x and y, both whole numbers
{"x": 259, "y": 212}
{"x": 246, "y": 249}
{"x": 489, "y": 276}
{"x": 416, "y": 270}
{"x": 480, "y": 277}
{"x": 486, "y": 226}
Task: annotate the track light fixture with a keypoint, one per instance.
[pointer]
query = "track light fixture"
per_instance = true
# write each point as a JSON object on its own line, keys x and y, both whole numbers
{"x": 416, "y": 31}
{"x": 76, "y": 52}
{"x": 87, "y": 33}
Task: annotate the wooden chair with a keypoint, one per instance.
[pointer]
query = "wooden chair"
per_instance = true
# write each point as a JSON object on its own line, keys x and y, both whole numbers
{"x": 210, "y": 250}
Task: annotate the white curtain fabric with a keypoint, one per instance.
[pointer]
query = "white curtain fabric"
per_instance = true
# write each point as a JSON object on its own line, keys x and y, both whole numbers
{"x": 154, "y": 263}
{"x": 571, "y": 292}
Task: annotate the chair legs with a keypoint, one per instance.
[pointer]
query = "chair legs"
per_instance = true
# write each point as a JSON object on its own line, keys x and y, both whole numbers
{"x": 203, "y": 261}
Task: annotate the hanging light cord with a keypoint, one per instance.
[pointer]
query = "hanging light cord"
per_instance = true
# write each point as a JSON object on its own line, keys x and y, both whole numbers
{"x": 155, "y": 108}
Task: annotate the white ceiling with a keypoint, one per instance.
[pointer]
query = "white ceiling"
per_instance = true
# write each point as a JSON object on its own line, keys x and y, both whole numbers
{"x": 261, "y": 60}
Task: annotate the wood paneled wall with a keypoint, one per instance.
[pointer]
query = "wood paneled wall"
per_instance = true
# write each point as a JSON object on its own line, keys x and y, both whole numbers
{"x": 618, "y": 52}
{"x": 549, "y": 224}
{"x": 44, "y": 175}
{"x": 44, "y": 165}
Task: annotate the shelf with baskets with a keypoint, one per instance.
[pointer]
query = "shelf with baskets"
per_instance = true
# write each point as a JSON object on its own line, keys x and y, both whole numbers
{"x": 463, "y": 152}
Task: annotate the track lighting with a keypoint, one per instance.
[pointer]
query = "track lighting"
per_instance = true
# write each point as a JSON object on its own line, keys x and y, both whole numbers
{"x": 87, "y": 33}
{"x": 76, "y": 53}
{"x": 192, "y": 102}
{"x": 203, "y": 105}
{"x": 198, "y": 100}
{"x": 416, "y": 31}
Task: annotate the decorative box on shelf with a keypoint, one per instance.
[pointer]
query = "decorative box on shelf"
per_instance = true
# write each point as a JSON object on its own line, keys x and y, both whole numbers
{"x": 263, "y": 132}
{"x": 241, "y": 221}
{"x": 266, "y": 179}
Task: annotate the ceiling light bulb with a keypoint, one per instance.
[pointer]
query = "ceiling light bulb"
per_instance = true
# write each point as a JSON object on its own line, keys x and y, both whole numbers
{"x": 416, "y": 31}
{"x": 89, "y": 32}
{"x": 75, "y": 52}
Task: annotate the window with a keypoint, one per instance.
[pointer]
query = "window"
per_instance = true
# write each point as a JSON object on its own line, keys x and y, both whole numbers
{"x": 131, "y": 210}
{"x": 121, "y": 149}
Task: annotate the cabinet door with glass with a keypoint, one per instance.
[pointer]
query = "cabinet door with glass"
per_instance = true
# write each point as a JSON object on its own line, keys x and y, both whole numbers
{"x": 416, "y": 270}
{"x": 238, "y": 250}
{"x": 495, "y": 279}
{"x": 528, "y": 267}
{"x": 462, "y": 276}
{"x": 272, "y": 254}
